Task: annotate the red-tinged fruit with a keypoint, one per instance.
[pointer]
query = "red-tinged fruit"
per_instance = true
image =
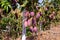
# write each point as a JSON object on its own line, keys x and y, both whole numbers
{"x": 37, "y": 7}
{"x": 31, "y": 28}
{"x": 51, "y": 16}
{"x": 38, "y": 15}
{"x": 32, "y": 13}
{"x": 33, "y": 21}
{"x": 53, "y": 13}
{"x": 29, "y": 22}
{"x": 25, "y": 24}
{"x": 46, "y": 9}
{"x": 26, "y": 14}
{"x": 14, "y": 1}
{"x": 35, "y": 29}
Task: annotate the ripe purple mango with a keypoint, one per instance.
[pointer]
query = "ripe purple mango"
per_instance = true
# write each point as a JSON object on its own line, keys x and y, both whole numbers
{"x": 29, "y": 22}
{"x": 26, "y": 13}
{"x": 31, "y": 28}
{"x": 25, "y": 24}
{"x": 14, "y": 1}
{"x": 46, "y": 9}
{"x": 33, "y": 21}
{"x": 37, "y": 7}
{"x": 38, "y": 15}
{"x": 35, "y": 29}
{"x": 51, "y": 16}
{"x": 53, "y": 13}
{"x": 32, "y": 13}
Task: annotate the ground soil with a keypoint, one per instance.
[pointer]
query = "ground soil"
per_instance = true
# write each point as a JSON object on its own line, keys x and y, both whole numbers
{"x": 52, "y": 34}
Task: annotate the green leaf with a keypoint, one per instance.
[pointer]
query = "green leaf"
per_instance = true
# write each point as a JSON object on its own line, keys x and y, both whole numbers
{"x": 2, "y": 5}
{"x": 7, "y": 3}
{"x": 9, "y": 6}
{"x": 7, "y": 9}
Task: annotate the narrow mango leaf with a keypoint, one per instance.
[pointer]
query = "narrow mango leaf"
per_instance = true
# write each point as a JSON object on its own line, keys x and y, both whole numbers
{"x": 9, "y": 6}
{"x": 24, "y": 4}
{"x": 7, "y": 9}
{"x": 2, "y": 5}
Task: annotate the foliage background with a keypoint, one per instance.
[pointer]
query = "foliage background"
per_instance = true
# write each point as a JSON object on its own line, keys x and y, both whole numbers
{"x": 11, "y": 14}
